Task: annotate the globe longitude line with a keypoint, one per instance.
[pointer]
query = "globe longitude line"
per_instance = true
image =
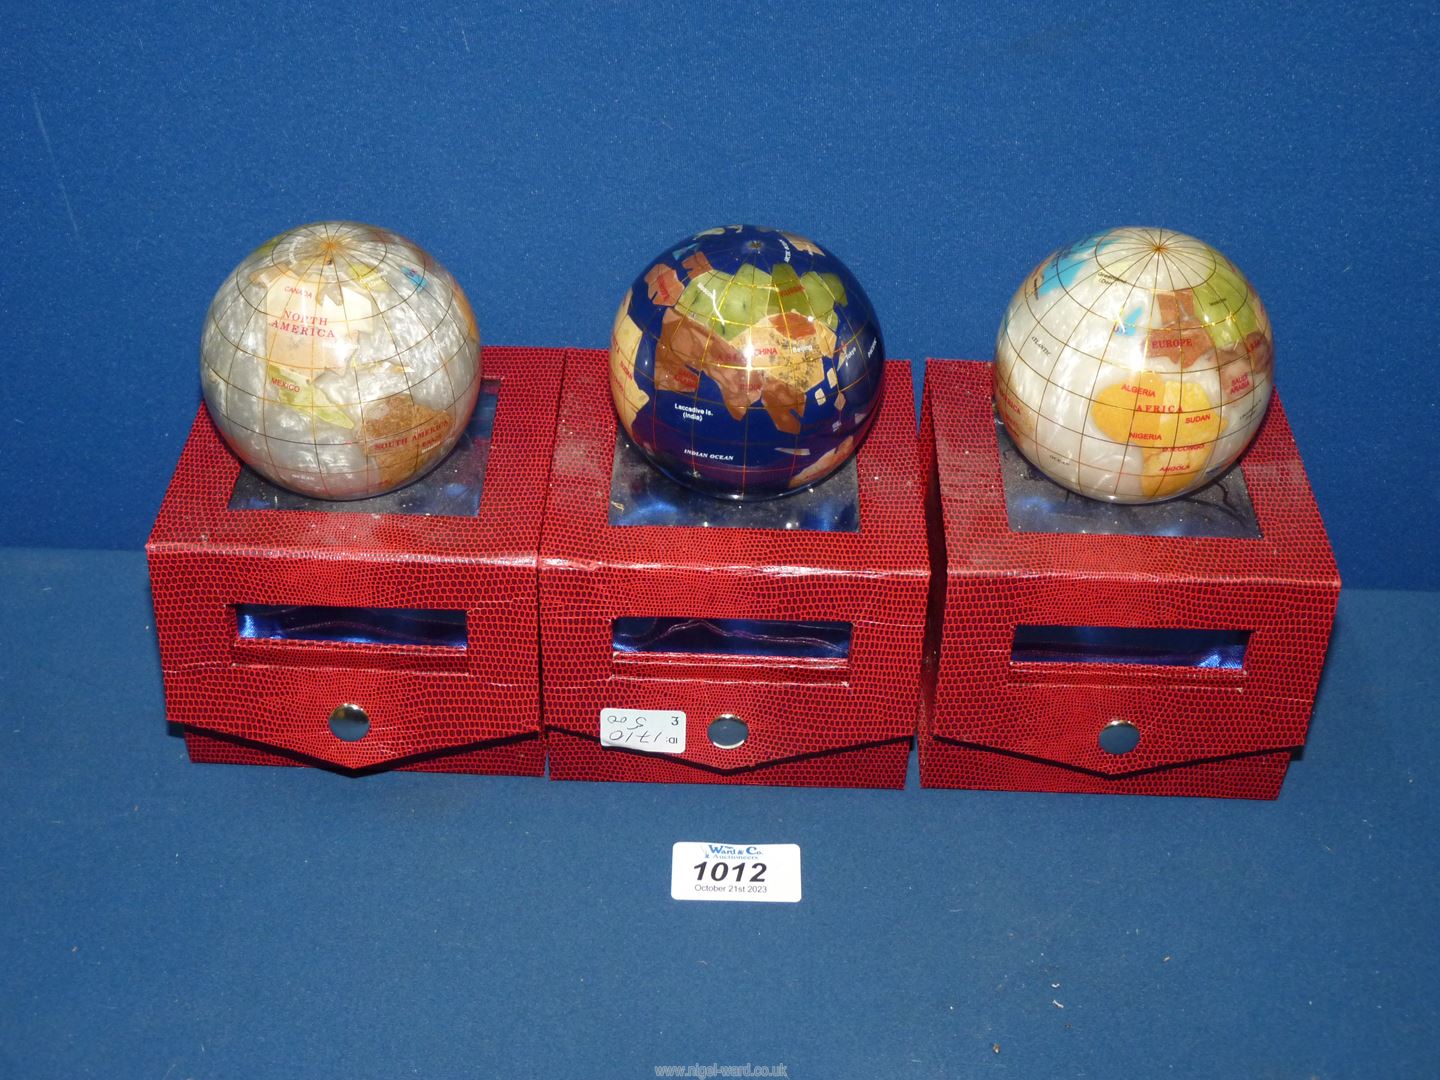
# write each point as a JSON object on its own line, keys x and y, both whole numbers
{"x": 749, "y": 366}
{"x": 1213, "y": 258}
{"x": 350, "y": 245}
{"x": 659, "y": 322}
{"x": 345, "y": 314}
{"x": 650, "y": 331}
{"x": 217, "y": 321}
{"x": 865, "y": 374}
{"x": 795, "y": 447}
{"x": 244, "y": 272}
{"x": 842, "y": 315}
{"x": 1038, "y": 323}
{"x": 1262, "y": 321}
{"x": 404, "y": 370}
{"x": 1099, "y": 268}
{"x": 1170, "y": 277}
{"x": 259, "y": 399}
{"x": 477, "y": 373}
{"x": 404, "y": 375}
{"x": 1166, "y": 268}
{"x": 330, "y": 238}
{"x": 412, "y": 384}
{"x": 1065, "y": 289}
{"x": 265, "y": 403}
{"x": 718, "y": 303}
{"x": 1095, "y": 381}
{"x": 796, "y": 438}
{"x": 745, "y": 423}
{"x": 1208, "y": 266}
{"x": 797, "y": 443}
{"x": 870, "y": 376}
{"x": 656, "y": 426}
{"x": 1244, "y": 282}
{"x": 237, "y": 348}
{"x": 1170, "y": 451}
{"x": 1122, "y": 472}
{"x": 1051, "y": 386}
{"x": 433, "y": 272}
{"x": 1208, "y": 272}
{"x": 1062, "y": 345}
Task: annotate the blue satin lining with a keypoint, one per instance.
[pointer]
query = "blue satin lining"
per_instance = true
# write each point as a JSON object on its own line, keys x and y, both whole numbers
{"x": 359, "y": 626}
{"x": 1164, "y": 646}
{"x": 640, "y": 494}
{"x": 733, "y": 637}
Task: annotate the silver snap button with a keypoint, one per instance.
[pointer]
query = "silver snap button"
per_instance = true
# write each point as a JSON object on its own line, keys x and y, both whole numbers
{"x": 1119, "y": 737}
{"x": 727, "y": 731}
{"x": 349, "y": 722}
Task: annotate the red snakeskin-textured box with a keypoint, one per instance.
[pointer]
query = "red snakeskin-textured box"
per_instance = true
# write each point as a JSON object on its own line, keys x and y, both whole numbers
{"x": 999, "y": 720}
{"x": 811, "y": 720}
{"x": 472, "y": 705}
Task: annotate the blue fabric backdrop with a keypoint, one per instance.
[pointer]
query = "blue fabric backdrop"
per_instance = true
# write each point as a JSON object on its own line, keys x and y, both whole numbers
{"x": 544, "y": 154}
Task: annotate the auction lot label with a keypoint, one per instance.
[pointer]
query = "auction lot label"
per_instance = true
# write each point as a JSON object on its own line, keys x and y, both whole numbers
{"x": 763, "y": 873}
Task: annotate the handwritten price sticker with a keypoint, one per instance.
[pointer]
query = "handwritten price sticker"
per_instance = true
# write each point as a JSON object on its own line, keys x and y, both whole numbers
{"x": 763, "y": 873}
{"x": 655, "y": 731}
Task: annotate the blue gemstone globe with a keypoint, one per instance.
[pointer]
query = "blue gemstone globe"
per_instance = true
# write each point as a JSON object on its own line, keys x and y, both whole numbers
{"x": 746, "y": 362}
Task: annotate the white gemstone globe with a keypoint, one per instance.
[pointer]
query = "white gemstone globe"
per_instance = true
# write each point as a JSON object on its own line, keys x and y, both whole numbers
{"x": 340, "y": 361}
{"x": 1134, "y": 366}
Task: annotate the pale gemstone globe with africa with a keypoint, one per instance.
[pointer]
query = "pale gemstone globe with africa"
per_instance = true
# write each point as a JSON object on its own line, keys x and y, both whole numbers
{"x": 1134, "y": 366}
{"x": 340, "y": 361}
